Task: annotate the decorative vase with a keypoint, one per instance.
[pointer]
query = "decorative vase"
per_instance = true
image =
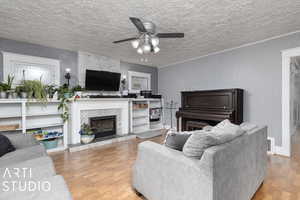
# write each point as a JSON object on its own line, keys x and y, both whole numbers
{"x": 85, "y": 139}
{"x": 23, "y": 95}
{"x": 3, "y": 95}
{"x": 67, "y": 95}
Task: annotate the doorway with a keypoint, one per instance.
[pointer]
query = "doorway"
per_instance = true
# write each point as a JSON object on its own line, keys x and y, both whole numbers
{"x": 290, "y": 99}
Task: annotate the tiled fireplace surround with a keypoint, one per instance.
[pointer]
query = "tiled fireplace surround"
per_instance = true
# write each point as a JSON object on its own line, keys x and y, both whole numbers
{"x": 86, "y": 114}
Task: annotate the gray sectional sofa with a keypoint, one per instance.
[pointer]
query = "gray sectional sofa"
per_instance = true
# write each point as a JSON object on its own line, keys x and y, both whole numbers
{"x": 29, "y": 174}
{"x": 230, "y": 171}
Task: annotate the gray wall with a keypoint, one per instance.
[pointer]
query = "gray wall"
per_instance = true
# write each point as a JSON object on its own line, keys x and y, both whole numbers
{"x": 256, "y": 69}
{"x": 68, "y": 59}
{"x": 125, "y": 67}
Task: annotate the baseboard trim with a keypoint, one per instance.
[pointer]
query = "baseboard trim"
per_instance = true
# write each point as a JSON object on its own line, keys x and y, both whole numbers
{"x": 279, "y": 150}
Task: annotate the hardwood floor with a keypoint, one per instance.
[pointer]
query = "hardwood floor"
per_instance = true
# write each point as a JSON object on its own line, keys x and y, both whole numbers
{"x": 105, "y": 173}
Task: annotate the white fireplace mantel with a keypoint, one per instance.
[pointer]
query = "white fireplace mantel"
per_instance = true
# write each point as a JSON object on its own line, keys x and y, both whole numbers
{"x": 93, "y": 104}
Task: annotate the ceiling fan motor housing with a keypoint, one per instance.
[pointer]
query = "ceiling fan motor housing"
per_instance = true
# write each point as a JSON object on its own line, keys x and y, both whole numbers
{"x": 150, "y": 27}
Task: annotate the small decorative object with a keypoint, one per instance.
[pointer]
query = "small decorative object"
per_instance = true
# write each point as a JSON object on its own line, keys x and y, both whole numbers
{"x": 68, "y": 75}
{"x": 87, "y": 135}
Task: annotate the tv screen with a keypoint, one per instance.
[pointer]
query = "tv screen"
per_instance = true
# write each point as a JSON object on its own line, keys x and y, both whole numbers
{"x": 102, "y": 80}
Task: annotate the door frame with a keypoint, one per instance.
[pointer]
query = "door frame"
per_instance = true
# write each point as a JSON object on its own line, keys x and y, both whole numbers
{"x": 285, "y": 148}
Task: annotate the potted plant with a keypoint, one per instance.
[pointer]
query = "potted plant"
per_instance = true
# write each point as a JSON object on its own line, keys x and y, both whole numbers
{"x": 10, "y": 92}
{"x": 36, "y": 90}
{"x": 50, "y": 89}
{"x": 22, "y": 90}
{"x": 87, "y": 134}
{"x": 77, "y": 90}
{"x": 3, "y": 90}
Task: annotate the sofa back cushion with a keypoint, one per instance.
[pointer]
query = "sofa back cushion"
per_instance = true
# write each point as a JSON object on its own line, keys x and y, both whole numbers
{"x": 222, "y": 133}
{"x": 5, "y": 145}
{"x": 226, "y": 131}
{"x": 197, "y": 143}
{"x": 176, "y": 140}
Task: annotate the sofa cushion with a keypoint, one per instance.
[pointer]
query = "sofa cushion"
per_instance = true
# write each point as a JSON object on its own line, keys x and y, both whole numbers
{"x": 226, "y": 131}
{"x": 176, "y": 140}
{"x": 247, "y": 126}
{"x": 21, "y": 155}
{"x": 5, "y": 145}
{"x": 197, "y": 143}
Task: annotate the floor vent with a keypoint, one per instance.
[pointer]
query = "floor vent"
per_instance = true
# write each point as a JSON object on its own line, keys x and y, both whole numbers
{"x": 271, "y": 145}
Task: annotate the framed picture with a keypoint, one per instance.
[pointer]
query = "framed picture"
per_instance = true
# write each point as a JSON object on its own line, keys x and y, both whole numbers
{"x": 138, "y": 81}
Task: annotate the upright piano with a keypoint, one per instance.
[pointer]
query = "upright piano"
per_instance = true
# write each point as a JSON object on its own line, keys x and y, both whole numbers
{"x": 209, "y": 107}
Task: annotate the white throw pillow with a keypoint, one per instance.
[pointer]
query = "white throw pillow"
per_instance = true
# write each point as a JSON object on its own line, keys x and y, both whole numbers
{"x": 226, "y": 131}
{"x": 197, "y": 143}
{"x": 247, "y": 126}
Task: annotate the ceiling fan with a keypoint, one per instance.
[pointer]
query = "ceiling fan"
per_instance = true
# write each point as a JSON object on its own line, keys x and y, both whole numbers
{"x": 147, "y": 41}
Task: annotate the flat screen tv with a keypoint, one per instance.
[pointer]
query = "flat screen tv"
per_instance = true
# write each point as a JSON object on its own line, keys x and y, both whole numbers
{"x": 102, "y": 80}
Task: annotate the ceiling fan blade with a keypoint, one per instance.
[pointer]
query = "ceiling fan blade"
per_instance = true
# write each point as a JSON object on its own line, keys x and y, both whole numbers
{"x": 138, "y": 24}
{"x": 125, "y": 40}
{"x": 170, "y": 35}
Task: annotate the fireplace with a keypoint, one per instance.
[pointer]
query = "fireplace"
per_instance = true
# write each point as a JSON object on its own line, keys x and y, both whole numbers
{"x": 103, "y": 126}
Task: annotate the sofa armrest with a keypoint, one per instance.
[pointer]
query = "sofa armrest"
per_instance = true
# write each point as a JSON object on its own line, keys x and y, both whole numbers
{"x": 20, "y": 141}
{"x": 163, "y": 173}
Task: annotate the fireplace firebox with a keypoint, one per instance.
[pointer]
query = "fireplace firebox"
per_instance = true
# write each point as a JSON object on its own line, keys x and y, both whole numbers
{"x": 103, "y": 126}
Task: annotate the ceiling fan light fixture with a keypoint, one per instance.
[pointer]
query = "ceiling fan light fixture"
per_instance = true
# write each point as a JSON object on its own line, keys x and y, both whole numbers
{"x": 154, "y": 41}
{"x": 135, "y": 43}
{"x": 156, "y": 49}
{"x": 140, "y": 50}
{"x": 146, "y": 48}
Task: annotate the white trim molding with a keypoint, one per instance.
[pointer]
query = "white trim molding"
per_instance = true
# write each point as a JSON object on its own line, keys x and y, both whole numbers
{"x": 132, "y": 74}
{"x": 14, "y": 64}
{"x": 285, "y": 148}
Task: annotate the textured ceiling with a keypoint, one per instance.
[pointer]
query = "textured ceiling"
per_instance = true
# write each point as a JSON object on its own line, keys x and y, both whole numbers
{"x": 92, "y": 25}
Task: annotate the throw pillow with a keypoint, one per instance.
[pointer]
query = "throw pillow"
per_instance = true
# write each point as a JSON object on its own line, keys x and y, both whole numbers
{"x": 226, "y": 131}
{"x": 176, "y": 140}
{"x": 5, "y": 145}
{"x": 197, "y": 143}
{"x": 247, "y": 126}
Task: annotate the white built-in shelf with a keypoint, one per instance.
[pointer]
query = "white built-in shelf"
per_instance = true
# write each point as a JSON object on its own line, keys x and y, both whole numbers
{"x": 10, "y": 116}
{"x": 142, "y": 116}
{"x": 141, "y": 124}
{"x": 45, "y": 126}
{"x": 43, "y": 114}
{"x": 49, "y": 138}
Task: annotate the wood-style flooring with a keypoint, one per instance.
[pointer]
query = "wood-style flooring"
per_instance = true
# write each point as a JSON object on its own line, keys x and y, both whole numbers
{"x": 105, "y": 173}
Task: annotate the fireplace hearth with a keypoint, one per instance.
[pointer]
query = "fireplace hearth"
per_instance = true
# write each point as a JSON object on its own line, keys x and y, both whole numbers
{"x": 103, "y": 126}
